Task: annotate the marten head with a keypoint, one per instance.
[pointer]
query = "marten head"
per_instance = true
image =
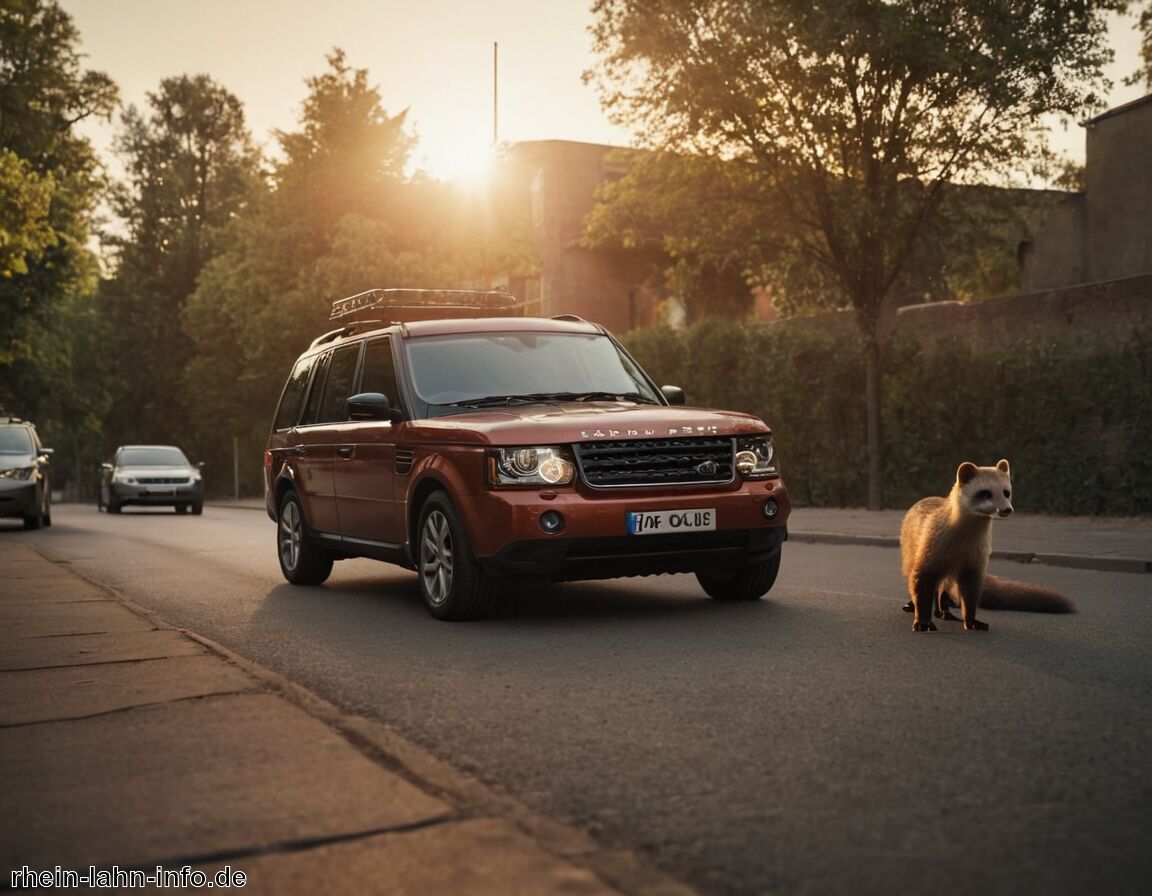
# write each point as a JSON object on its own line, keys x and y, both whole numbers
{"x": 986, "y": 491}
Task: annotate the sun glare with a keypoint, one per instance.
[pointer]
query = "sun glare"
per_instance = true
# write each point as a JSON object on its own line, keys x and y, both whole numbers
{"x": 465, "y": 163}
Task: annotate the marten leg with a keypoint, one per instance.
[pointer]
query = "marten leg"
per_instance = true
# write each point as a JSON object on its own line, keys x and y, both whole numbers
{"x": 969, "y": 584}
{"x": 923, "y": 591}
{"x": 945, "y": 602}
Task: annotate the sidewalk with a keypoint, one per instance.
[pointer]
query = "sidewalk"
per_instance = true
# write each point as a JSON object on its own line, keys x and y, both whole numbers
{"x": 128, "y": 744}
{"x": 1112, "y": 544}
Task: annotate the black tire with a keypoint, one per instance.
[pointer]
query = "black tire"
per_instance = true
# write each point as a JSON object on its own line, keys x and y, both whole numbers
{"x": 36, "y": 520}
{"x": 113, "y": 505}
{"x": 454, "y": 586}
{"x": 197, "y": 508}
{"x": 301, "y": 561}
{"x": 181, "y": 508}
{"x": 741, "y": 582}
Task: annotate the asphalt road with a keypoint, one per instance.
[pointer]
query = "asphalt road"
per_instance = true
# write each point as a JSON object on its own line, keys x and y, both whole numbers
{"x": 807, "y": 743}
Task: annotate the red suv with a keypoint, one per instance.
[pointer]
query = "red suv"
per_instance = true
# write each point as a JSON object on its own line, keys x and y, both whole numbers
{"x": 439, "y": 431}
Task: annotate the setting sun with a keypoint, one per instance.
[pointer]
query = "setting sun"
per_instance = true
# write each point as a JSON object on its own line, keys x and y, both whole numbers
{"x": 464, "y": 162}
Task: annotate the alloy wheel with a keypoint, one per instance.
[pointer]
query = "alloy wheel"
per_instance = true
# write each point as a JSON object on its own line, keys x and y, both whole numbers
{"x": 290, "y": 534}
{"x": 436, "y": 558}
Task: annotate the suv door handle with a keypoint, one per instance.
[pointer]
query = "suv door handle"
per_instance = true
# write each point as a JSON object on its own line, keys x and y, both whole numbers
{"x": 346, "y": 451}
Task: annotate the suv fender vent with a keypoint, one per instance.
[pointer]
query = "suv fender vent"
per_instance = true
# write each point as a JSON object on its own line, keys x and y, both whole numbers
{"x": 404, "y": 457}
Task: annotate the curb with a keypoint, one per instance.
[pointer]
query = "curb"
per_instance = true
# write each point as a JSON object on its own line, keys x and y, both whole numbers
{"x": 1072, "y": 561}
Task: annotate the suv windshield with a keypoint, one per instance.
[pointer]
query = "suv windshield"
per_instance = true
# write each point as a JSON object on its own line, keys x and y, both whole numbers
{"x": 152, "y": 457}
{"x": 15, "y": 440}
{"x": 453, "y": 372}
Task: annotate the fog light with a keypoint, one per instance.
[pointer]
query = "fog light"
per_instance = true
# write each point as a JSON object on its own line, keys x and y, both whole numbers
{"x": 551, "y": 522}
{"x": 771, "y": 508}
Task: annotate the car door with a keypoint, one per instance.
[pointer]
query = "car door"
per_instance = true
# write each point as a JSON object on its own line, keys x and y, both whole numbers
{"x": 365, "y": 461}
{"x": 314, "y": 442}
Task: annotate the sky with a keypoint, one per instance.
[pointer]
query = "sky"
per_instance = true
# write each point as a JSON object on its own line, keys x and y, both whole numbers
{"x": 433, "y": 58}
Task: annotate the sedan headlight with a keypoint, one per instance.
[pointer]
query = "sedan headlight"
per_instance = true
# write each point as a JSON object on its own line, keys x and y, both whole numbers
{"x": 755, "y": 457}
{"x": 123, "y": 477}
{"x": 530, "y": 466}
{"x": 17, "y": 473}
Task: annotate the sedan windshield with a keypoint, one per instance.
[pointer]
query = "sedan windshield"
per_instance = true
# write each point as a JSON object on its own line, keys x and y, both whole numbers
{"x": 454, "y": 372}
{"x": 152, "y": 457}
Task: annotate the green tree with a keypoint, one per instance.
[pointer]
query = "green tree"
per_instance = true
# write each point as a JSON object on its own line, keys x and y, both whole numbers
{"x": 191, "y": 167}
{"x": 1144, "y": 26}
{"x": 855, "y": 117}
{"x": 49, "y": 185}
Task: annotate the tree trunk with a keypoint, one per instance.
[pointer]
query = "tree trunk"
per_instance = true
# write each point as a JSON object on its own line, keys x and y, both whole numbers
{"x": 874, "y": 402}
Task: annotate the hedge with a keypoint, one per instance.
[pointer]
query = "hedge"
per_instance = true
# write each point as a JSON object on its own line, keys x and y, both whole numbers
{"x": 1074, "y": 419}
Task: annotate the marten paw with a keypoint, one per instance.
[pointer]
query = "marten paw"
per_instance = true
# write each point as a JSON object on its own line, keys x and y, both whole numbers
{"x": 923, "y": 627}
{"x": 976, "y": 626}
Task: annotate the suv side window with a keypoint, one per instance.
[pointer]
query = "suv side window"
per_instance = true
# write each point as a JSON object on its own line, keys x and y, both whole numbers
{"x": 338, "y": 385}
{"x": 312, "y": 407}
{"x": 289, "y": 411}
{"x": 379, "y": 370}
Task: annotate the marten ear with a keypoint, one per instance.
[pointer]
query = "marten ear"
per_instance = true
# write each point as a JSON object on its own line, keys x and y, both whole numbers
{"x": 965, "y": 473}
{"x": 1002, "y": 466}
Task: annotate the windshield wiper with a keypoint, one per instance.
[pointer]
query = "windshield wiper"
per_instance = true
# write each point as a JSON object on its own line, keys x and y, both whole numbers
{"x": 490, "y": 401}
{"x": 609, "y": 396}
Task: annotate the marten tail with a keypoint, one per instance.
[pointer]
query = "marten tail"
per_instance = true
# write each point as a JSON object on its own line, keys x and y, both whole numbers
{"x": 1004, "y": 594}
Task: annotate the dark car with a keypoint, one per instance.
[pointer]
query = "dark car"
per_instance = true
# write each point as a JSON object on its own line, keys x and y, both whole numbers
{"x": 151, "y": 476}
{"x": 474, "y": 445}
{"x": 25, "y": 488}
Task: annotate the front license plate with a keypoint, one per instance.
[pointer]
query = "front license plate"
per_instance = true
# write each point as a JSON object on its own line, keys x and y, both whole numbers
{"x": 642, "y": 522}
{"x": 160, "y": 491}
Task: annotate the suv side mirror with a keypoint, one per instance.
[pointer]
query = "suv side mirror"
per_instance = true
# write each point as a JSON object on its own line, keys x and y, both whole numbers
{"x": 674, "y": 394}
{"x": 373, "y": 406}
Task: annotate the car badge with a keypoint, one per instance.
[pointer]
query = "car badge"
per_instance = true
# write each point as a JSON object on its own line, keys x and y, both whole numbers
{"x": 708, "y": 468}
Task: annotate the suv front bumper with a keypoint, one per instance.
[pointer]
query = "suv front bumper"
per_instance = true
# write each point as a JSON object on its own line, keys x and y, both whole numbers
{"x": 594, "y": 542}
{"x": 575, "y": 559}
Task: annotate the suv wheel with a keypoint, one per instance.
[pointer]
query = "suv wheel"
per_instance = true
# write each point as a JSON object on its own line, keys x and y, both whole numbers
{"x": 741, "y": 582}
{"x": 301, "y": 562}
{"x": 453, "y": 585}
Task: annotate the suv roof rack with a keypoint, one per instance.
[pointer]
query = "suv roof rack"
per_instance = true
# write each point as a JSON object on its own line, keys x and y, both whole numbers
{"x": 405, "y": 305}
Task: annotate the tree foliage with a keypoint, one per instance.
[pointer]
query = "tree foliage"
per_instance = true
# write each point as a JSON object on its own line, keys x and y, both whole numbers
{"x": 852, "y": 117}
{"x": 49, "y": 185}
{"x": 191, "y": 167}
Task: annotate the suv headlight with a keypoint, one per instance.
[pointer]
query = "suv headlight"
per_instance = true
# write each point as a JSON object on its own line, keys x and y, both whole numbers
{"x": 755, "y": 457}
{"x": 17, "y": 473}
{"x": 530, "y": 466}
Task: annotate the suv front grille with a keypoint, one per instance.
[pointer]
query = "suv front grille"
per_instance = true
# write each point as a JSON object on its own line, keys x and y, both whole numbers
{"x": 689, "y": 461}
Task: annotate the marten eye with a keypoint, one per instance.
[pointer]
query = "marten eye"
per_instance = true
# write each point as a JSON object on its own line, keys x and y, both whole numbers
{"x": 1007, "y": 493}
{"x": 984, "y": 495}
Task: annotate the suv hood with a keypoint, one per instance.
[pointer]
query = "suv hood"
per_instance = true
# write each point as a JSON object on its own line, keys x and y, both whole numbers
{"x": 12, "y": 461}
{"x": 564, "y": 423}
